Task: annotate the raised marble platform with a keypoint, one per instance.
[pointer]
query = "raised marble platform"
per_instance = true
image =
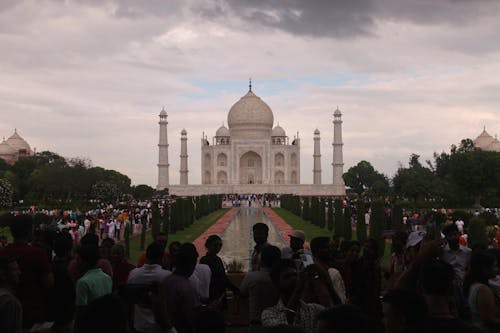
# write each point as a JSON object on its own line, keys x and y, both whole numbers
{"x": 303, "y": 189}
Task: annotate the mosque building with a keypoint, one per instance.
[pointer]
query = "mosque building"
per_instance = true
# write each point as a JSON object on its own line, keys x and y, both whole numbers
{"x": 14, "y": 148}
{"x": 251, "y": 155}
{"x": 486, "y": 142}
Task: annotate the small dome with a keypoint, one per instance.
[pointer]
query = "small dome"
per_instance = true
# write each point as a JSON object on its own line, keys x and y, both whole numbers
{"x": 163, "y": 112}
{"x": 222, "y": 131}
{"x": 494, "y": 146}
{"x": 316, "y": 131}
{"x": 337, "y": 112}
{"x": 184, "y": 132}
{"x": 6, "y": 149}
{"x": 250, "y": 117}
{"x": 278, "y": 131}
{"x": 483, "y": 140}
{"x": 18, "y": 143}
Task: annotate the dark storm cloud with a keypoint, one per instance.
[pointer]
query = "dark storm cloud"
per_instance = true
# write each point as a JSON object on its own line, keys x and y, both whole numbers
{"x": 318, "y": 18}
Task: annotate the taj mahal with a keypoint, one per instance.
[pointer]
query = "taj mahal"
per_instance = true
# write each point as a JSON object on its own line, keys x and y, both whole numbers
{"x": 251, "y": 155}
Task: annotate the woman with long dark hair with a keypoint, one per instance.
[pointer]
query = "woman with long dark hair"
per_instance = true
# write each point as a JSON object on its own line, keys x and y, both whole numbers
{"x": 219, "y": 281}
{"x": 484, "y": 309}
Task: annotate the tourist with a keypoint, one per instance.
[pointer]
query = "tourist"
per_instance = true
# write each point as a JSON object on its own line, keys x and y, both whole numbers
{"x": 105, "y": 248}
{"x": 258, "y": 287}
{"x": 352, "y": 249}
{"x": 121, "y": 267}
{"x": 366, "y": 280}
{"x": 160, "y": 238}
{"x": 436, "y": 282}
{"x": 62, "y": 298}
{"x": 343, "y": 319}
{"x": 11, "y": 312}
{"x": 290, "y": 309}
{"x": 93, "y": 284}
{"x": 178, "y": 294}
{"x": 104, "y": 264}
{"x": 200, "y": 279}
{"x": 36, "y": 272}
{"x": 481, "y": 297}
{"x": 150, "y": 273}
{"x": 405, "y": 311}
{"x": 105, "y": 314}
{"x": 111, "y": 228}
{"x": 455, "y": 254}
{"x": 260, "y": 234}
{"x": 209, "y": 321}
{"x": 397, "y": 260}
{"x": 219, "y": 281}
{"x": 296, "y": 248}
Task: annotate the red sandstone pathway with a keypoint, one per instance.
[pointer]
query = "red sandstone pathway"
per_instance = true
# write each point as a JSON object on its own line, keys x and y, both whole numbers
{"x": 283, "y": 228}
{"x": 215, "y": 229}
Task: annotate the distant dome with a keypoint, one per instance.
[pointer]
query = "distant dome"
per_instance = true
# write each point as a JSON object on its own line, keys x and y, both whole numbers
{"x": 278, "y": 131}
{"x": 163, "y": 112}
{"x": 250, "y": 117}
{"x": 18, "y": 143}
{"x": 6, "y": 149}
{"x": 184, "y": 132}
{"x": 337, "y": 112}
{"x": 222, "y": 131}
{"x": 494, "y": 146}
{"x": 316, "y": 131}
{"x": 483, "y": 140}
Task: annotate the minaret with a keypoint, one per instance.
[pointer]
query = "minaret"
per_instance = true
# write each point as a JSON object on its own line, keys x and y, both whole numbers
{"x": 184, "y": 159}
{"x": 317, "y": 159}
{"x": 338, "y": 159}
{"x": 163, "y": 153}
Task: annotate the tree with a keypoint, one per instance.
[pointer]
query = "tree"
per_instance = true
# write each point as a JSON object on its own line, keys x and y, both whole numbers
{"x": 347, "y": 223}
{"x": 397, "y": 217}
{"x": 105, "y": 192}
{"x": 415, "y": 182}
{"x": 306, "y": 209}
{"x": 5, "y": 193}
{"x": 477, "y": 233}
{"x": 322, "y": 216}
{"x": 360, "y": 221}
{"x": 365, "y": 180}
{"x": 377, "y": 222}
{"x": 339, "y": 219}
{"x": 142, "y": 192}
{"x": 330, "y": 214}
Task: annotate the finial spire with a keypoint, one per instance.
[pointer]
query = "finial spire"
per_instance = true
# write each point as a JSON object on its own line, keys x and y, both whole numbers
{"x": 250, "y": 84}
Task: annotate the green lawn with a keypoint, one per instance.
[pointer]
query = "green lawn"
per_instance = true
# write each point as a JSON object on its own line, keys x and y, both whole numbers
{"x": 187, "y": 235}
{"x": 313, "y": 231}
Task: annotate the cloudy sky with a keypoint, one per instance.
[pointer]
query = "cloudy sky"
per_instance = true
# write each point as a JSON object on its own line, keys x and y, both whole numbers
{"x": 87, "y": 78}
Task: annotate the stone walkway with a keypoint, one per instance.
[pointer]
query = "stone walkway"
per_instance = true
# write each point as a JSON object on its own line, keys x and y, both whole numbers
{"x": 215, "y": 229}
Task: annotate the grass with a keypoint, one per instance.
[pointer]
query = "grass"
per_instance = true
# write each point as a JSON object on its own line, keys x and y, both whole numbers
{"x": 313, "y": 231}
{"x": 187, "y": 235}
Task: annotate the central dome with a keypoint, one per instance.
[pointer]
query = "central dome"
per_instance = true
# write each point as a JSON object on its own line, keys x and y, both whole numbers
{"x": 250, "y": 117}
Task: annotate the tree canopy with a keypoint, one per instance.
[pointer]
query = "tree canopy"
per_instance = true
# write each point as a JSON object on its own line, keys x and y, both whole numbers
{"x": 365, "y": 180}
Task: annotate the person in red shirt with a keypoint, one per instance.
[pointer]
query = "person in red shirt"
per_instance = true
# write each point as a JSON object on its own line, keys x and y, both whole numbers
{"x": 36, "y": 272}
{"x": 121, "y": 267}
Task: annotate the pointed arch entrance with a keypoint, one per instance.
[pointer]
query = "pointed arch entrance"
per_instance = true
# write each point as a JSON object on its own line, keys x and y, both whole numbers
{"x": 250, "y": 168}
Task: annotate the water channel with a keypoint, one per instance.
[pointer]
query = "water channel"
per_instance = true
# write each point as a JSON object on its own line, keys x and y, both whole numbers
{"x": 238, "y": 239}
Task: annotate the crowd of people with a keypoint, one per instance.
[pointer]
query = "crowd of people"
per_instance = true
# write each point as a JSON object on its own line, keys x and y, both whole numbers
{"x": 433, "y": 284}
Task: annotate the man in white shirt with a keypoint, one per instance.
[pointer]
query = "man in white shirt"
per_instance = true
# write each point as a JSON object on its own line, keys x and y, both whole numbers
{"x": 460, "y": 225}
{"x": 200, "y": 280}
{"x": 150, "y": 273}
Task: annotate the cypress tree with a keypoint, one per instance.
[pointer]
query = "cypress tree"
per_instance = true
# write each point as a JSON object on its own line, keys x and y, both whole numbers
{"x": 306, "y": 211}
{"x": 397, "y": 217}
{"x": 314, "y": 210}
{"x": 155, "y": 222}
{"x": 360, "y": 221}
{"x": 347, "y": 223}
{"x": 144, "y": 222}
{"x": 377, "y": 222}
{"x": 322, "y": 216}
{"x": 330, "y": 214}
{"x": 128, "y": 229}
{"x": 339, "y": 219}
